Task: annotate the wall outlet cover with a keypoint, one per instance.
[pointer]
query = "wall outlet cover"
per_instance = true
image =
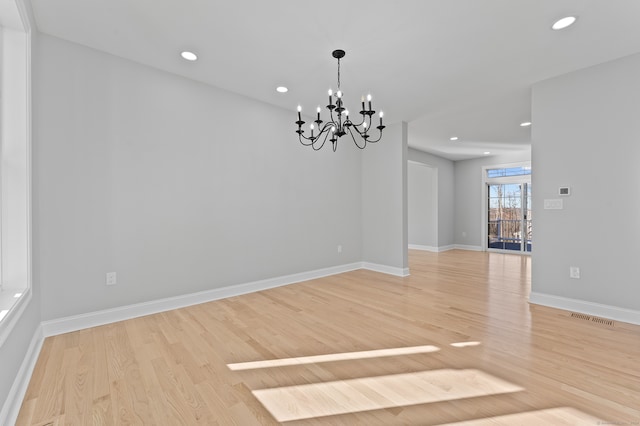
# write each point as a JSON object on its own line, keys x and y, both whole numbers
{"x": 110, "y": 278}
{"x": 574, "y": 272}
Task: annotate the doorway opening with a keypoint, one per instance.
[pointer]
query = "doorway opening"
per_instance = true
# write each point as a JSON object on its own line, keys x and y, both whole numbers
{"x": 509, "y": 224}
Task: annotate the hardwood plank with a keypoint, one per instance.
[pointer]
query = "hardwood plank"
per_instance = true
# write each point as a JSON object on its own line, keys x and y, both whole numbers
{"x": 48, "y": 388}
{"x": 331, "y": 342}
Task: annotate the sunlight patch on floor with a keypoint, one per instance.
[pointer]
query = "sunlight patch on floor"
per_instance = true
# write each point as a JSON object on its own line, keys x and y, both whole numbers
{"x": 345, "y": 356}
{"x": 465, "y": 344}
{"x": 374, "y": 393}
{"x": 553, "y": 416}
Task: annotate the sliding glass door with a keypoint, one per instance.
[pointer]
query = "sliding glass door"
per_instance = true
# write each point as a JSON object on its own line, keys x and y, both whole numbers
{"x": 509, "y": 221}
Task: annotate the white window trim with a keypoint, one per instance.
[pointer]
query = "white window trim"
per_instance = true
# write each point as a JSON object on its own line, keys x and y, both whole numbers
{"x": 17, "y": 309}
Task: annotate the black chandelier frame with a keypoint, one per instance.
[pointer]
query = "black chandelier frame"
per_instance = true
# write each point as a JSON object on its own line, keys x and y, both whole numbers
{"x": 340, "y": 124}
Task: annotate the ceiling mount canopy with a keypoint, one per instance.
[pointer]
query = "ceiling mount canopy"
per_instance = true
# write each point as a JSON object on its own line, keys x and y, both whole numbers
{"x": 339, "y": 123}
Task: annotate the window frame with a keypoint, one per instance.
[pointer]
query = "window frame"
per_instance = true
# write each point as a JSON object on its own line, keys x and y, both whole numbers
{"x": 486, "y": 180}
{"x": 15, "y": 193}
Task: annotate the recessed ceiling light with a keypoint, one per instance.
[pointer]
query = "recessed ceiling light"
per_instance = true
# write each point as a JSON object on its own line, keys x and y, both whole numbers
{"x": 189, "y": 56}
{"x": 453, "y": 138}
{"x": 525, "y": 124}
{"x": 17, "y": 295}
{"x": 487, "y": 152}
{"x": 564, "y": 23}
{"x": 282, "y": 89}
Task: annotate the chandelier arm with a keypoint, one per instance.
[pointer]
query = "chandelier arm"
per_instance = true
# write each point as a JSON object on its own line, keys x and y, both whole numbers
{"x": 310, "y": 139}
{"x": 355, "y": 141}
{"x": 364, "y": 118}
{"x": 323, "y": 141}
{"x": 302, "y": 140}
{"x": 355, "y": 127}
{"x": 328, "y": 125}
{"x": 362, "y": 134}
{"x": 377, "y": 140}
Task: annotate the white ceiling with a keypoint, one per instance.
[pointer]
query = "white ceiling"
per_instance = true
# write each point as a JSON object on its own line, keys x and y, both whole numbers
{"x": 448, "y": 67}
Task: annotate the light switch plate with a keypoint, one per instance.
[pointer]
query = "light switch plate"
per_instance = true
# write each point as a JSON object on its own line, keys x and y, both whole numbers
{"x": 555, "y": 204}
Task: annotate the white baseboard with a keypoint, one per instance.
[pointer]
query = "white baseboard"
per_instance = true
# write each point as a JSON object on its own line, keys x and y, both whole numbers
{"x": 108, "y": 316}
{"x": 391, "y": 270}
{"x": 431, "y": 248}
{"x": 584, "y": 307}
{"x": 467, "y": 247}
{"x": 11, "y": 406}
{"x": 423, "y": 248}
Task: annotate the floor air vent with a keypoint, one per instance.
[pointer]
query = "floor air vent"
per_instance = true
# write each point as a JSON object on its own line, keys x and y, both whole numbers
{"x": 603, "y": 321}
{"x": 593, "y": 319}
{"x": 581, "y": 316}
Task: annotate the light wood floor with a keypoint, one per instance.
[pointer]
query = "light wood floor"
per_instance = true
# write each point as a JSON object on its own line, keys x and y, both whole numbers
{"x": 454, "y": 342}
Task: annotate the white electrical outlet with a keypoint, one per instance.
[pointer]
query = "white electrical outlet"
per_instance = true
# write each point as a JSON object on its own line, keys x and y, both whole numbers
{"x": 340, "y": 248}
{"x": 574, "y": 272}
{"x": 111, "y": 278}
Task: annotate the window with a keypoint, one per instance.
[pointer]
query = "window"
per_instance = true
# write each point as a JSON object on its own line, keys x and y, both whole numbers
{"x": 508, "y": 171}
{"x": 15, "y": 244}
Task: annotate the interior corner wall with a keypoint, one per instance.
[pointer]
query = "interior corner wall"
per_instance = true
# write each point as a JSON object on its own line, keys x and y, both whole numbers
{"x": 586, "y": 136}
{"x": 469, "y": 193}
{"x": 384, "y": 199}
{"x": 177, "y": 186}
{"x": 446, "y": 188}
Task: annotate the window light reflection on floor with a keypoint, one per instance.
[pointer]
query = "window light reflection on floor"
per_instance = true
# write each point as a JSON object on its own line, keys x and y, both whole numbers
{"x": 373, "y": 393}
{"x": 465, "y": 344}
{"x": 376, "y": 353}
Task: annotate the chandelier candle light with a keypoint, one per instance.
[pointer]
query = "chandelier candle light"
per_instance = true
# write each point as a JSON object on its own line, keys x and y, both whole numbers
{"x": 340, "y": 124}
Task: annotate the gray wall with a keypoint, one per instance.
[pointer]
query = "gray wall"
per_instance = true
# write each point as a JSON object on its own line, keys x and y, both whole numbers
{"x": 422, "y": 213}
{"x": 384, "y": 199}
{"x": 469, "y": 193}
{"x": 446, "y": 187}
{"x": 177, "y": 186}
{"x": 586, "y": 135}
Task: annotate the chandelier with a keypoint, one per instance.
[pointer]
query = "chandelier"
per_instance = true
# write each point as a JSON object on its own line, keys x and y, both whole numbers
{"x": 339, "y": 124}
